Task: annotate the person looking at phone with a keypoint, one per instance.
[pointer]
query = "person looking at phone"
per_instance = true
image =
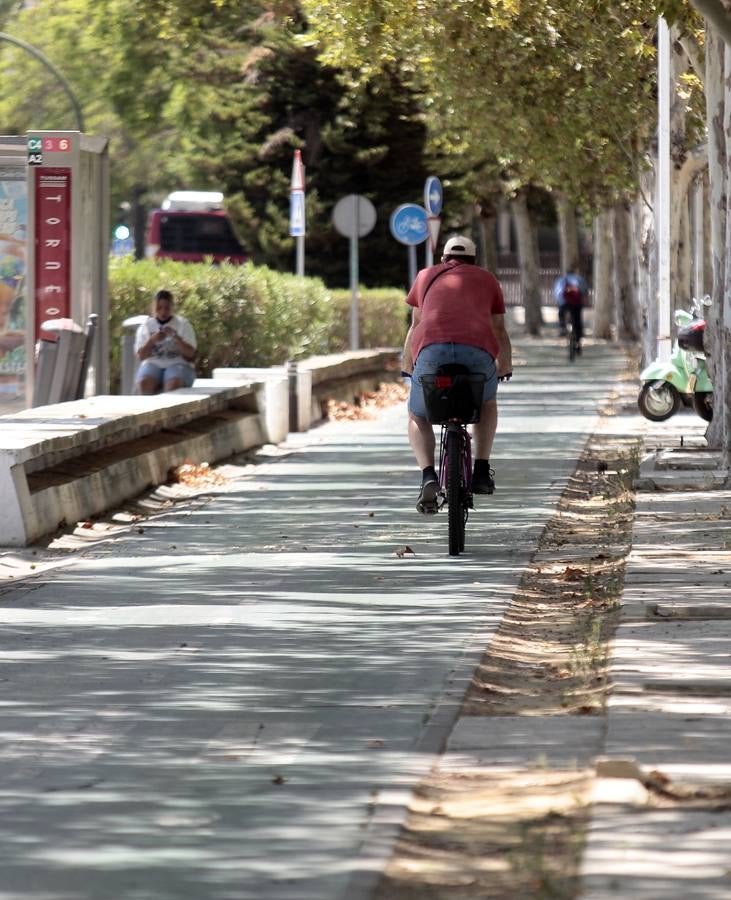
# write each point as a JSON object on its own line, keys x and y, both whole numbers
{"x": 165, "y": 345}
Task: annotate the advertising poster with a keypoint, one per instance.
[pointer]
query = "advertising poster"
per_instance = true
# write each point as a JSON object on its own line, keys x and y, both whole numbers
{"x": 13, "y": 237}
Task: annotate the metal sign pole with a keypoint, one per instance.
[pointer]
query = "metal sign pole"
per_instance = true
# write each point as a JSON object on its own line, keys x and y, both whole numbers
{"x": 354, "y": 333}
{"x": 297, "y": 227}
{"x": 354, "y": 336}
{"x": 354, "y": 217}
{"x": 412, "y": 264}
{"x": 300, "y": 260}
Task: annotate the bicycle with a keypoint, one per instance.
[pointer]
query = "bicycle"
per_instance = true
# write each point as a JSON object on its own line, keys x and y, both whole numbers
{"x": 453, "y": 397}
{"x": 571, "y": 339}
{"x": 573, "y": 320}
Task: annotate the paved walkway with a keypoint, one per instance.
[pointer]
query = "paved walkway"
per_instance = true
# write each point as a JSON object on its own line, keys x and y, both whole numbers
{"x": 669, "y": 716}
{"x": 235, "y": 700}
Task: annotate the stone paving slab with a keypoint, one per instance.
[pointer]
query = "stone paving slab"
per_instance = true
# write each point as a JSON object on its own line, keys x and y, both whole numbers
{"x": 658, "y": 854}
{"x": 523, "y": 742}
{"x": 718, "y": 609}
{"x": 670, "y": 709}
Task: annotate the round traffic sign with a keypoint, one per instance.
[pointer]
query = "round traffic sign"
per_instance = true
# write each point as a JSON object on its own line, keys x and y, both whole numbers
{"x": 408, "y": 224}
{"x": 354, "y": 216}
{"x": 433, "y": 195}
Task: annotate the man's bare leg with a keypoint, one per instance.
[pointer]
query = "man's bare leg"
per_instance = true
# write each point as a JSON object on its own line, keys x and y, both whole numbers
{"x": 421, "y": 438}
{"x": 484, "y": 430}
{"x": 484, "y": 435}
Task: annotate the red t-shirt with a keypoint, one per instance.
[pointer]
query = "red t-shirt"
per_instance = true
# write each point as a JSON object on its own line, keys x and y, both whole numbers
{"x": 458, "y": 307}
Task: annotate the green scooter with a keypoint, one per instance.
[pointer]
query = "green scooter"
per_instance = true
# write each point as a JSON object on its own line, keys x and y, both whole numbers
{"x": 683, "y": 379}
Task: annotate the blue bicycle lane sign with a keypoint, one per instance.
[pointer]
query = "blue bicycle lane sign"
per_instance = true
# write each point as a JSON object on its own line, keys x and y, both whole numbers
{"x": 408, "y": 224}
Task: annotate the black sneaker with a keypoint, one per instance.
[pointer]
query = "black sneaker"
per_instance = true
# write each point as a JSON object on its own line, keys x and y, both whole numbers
{"x": 427, "y": 502}
{"x": 483, "y": 482}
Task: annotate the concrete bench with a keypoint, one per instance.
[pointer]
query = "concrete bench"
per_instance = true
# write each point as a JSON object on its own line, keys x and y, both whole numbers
{"x": 345, "y": 376}
{"x": 61, "y": 464}
{"x": 315, "y": 380}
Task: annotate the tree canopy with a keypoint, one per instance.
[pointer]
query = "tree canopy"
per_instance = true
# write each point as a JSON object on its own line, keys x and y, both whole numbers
{"x": 556, "y": 93}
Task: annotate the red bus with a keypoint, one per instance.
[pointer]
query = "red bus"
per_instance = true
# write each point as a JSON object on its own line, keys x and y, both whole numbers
{"x": 192, "y": 226}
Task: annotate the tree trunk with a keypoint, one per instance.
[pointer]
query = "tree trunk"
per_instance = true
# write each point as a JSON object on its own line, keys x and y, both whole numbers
{"x": 529, "y": 270}
{"x": 694, "y": 163}
{"x": 685, "y": 262}
{"x": 568, "y": 233}
{"x": 724, "y": 407}
{"x": 139, "y": 220}
{"x": 484, "y": 227}
{"x": 603, "y": 294}
{"x": 627, "y": 318}
{"x": 718, "y": 430}
{"x": 647, "y": 262}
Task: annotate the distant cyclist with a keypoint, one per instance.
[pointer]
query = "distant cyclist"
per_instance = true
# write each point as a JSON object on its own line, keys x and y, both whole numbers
{"x": 458, "y": 317}
{"x": 571, "y": 291}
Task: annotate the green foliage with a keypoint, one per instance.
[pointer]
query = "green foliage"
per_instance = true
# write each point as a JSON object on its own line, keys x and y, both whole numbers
{"x": 382, "y": 320}
{"x": 272, "y": 96}
{"x": 242, "y": 315}
{"x": 558, "y": 94}
{"x": 250, "y": 315}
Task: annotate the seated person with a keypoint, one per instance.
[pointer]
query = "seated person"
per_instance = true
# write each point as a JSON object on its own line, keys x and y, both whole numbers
{"x": 165, "y": 345}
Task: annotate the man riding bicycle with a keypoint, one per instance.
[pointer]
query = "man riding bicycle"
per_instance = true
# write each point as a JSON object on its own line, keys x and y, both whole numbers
{"x": 458, "y": 317}
{"x": 571, "y": 291}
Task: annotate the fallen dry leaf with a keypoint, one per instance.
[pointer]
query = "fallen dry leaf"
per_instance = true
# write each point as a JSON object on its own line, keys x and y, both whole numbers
{"x": 375, "y": 743}
{"x": 368, "y": 403}
{"x": 404, "y": 551}
{"x": 195, "y": 475}
{"x": 570, "y": 573}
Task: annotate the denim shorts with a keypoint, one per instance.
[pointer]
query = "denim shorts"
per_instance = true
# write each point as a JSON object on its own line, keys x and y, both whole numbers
{"x": 182, "y": 371}
{"x": 434, "y": 355}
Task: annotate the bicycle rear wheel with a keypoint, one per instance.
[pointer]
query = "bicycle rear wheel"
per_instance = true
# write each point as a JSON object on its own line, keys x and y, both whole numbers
{"x": 455, "y": 493}
{"x": 572, "y": 342}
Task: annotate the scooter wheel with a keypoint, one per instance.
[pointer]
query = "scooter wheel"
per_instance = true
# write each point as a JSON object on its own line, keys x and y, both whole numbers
{"x": 658, "y": 401}
{"x": 703, "y": 405}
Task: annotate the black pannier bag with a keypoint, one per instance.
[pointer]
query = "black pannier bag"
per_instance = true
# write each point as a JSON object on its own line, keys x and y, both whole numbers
{"x": 453, "y": 393}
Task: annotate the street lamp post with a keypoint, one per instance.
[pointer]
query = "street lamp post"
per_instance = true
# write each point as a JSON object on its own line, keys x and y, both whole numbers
{"x": 42, "y": 58}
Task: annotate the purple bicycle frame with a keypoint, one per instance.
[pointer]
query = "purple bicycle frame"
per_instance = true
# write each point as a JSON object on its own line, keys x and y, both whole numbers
{"x": 466, "y": 440}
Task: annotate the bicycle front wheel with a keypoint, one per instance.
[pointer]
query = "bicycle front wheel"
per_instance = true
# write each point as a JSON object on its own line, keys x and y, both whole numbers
{"x": 455, "y": 493}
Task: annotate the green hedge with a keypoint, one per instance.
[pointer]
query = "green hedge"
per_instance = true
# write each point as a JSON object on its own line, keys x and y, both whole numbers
{"x": 251, "y": 315}
{"x": 382, "y": 318}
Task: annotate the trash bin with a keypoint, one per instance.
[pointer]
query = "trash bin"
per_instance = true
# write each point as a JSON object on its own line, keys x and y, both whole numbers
{"x": 129, "y": 357}
{"x": 62, "y": 365}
